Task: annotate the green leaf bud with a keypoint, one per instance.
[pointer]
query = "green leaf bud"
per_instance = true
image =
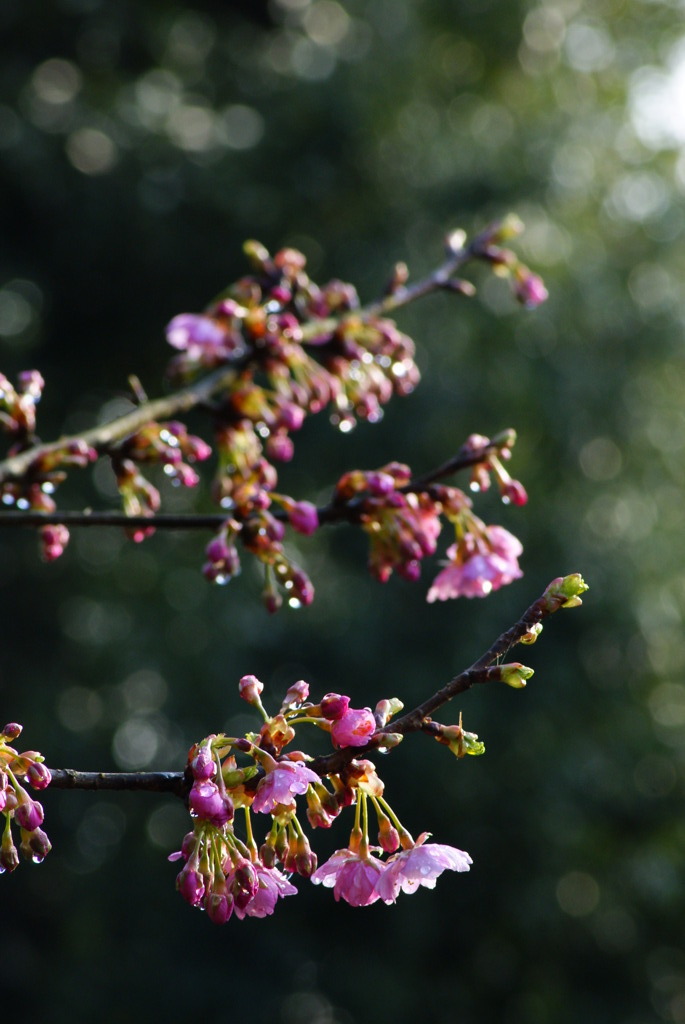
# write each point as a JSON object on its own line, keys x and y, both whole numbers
{"x": 515, "y": 675}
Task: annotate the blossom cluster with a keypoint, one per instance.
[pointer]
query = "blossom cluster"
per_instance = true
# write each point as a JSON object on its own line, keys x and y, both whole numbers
{"x": 528, "y": 288}
{"x": 403, "y": 521}
{"x": 258, "y": 777}
{"x": 17, "y": 805}
{"x": 34, "y": 489}
{"x": 272, "y": 349}
{"x": 246, "y": 777}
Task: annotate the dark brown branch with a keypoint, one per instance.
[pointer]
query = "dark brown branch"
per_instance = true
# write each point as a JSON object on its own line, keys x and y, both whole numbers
{"x": 466, "y": 457}
{"x": 479, "y": 672}
{"x": 161, "y": 521}
{"x": 334, "y": 512}
{"x": 177, "y": 783}
{"x": 149, "y": 782}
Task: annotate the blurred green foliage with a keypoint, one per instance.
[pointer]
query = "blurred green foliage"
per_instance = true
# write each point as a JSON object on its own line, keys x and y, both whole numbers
{"x": 140, "y": 143}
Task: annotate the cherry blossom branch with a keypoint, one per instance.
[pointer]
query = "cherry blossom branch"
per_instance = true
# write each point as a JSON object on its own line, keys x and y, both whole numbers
{"x": 561, "y": 593}
{"x": 486, "y": 247}
{"x": 274, "y": 348}
{"x": 104, "y": 435}
{"x": 333, "y": 512}
{"x": 101, "y": 437}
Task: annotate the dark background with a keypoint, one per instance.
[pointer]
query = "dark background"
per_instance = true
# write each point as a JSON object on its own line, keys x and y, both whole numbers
{"x": 140, "y": 144}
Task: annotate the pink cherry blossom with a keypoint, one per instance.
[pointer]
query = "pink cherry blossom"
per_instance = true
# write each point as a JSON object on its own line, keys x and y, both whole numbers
{"x": 208, "y": 802}
{"x": 354, "y": 728}
{"x": 272, "y": 884}
{"x": 203, "y": 765}
{"x": 280, "y": 786}
{"x": 477, "y": 570}
{"x": 421, "y": 865}
{"x": 194, "y": 332}
{"x": 352, "y": 877}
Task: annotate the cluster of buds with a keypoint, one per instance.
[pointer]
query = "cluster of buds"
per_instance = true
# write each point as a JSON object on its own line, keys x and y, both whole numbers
{"x": 243, "y": 777}
{"x": 34, "y": 491}
{"x": 490, "y": 456}
{"x": 297, "y": 348}
{"x": 403, "y": 523}
{"x": 169, "y": 445}
{"x": 18, "y": 405}
{"x": 528, "y": 288}
{"x": 262, "y": 534}
{"x": 166, "y": 444}
{"x": 16, "y": 803}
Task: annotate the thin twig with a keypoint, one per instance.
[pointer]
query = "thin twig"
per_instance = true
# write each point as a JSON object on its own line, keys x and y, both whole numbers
{"x": 333, "y": 512}
{"x": 412, "y": 721}
{"x": 177, "y": 783}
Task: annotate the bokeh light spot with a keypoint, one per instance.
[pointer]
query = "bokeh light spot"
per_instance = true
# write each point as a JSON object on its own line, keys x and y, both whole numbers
{"x": 577, "y": 893}
{"x": 91, "y": 151}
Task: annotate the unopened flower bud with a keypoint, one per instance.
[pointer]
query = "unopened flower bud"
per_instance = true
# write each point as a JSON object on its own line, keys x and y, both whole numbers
{"x": 9, "y": 855}
{"x": 334, "y": 706}
{"x": 514, "y": 493}
{"x": 303, "y": 516}
{"x": 280, "y": 446}
{"x": 38, "y": 775}
{"x": 28, "y": 813}
{"x": 296, "y": 694}
{"x": 188, "y": 845}
{"x": 515, "y": 675}
{"x": 203, "y": 765}
{"x": 385, "y": 709}
{"x": 564, "y": 592}
{"x": 388, "y": 836}
{"x": 529, "y": 288}
{"x": 267, "y": 855}
{"x": 12, "y": 731}
{"x": 250, "y": 688}
{"x": 380, "y": 483}
{"x": 218, "y": 903}
{"x": 190, "y": 884}
{"x": 35, "y": 846}
{"x": 245, "y": 884}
